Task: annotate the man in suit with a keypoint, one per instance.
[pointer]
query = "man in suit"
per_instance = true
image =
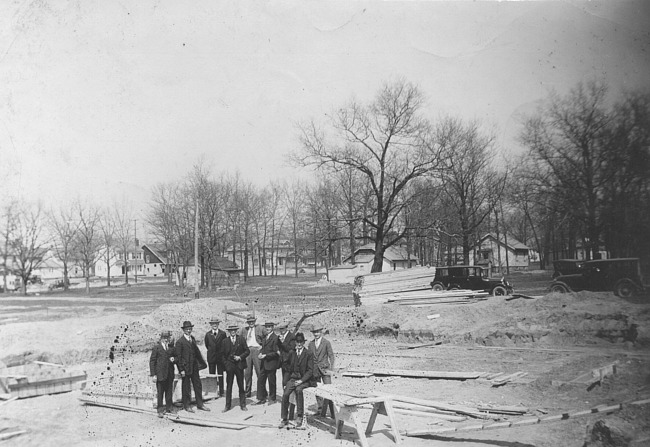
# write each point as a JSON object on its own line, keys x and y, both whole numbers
{"x": 287, "y": 345}
{"x": 323, "y": 354}
{"x": 269, "y": 363}
{"x": 235, "y": 351}
{"x": 190, "y": 361}
{"x": 253, "y": 334}
{"x": 301, "y": 371}
{"x": 161, "y": 369}
{"x": 213, "y": 339}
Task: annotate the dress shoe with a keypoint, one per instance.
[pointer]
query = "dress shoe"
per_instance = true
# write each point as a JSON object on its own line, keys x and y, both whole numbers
{"x": 273, "y": 401}
{"x": 160, "y": 415}
{"x": 283, "y": 424}
{"x": 248, "y": 394}
{"x": 189, "y": 410}
{"x": 225, "y": 410}
{"x": 244, "y": 408}
{"x": 203, "y": 408}
{"x": 299, "y": 425}
{"x": 260, "y": 402}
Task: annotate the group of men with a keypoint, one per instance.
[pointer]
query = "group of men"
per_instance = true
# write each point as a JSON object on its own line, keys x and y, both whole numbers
{"x": 240, "y": 352}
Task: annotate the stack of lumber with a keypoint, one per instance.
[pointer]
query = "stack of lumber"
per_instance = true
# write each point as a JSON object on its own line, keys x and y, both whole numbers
{"x": 371, "y": 288}
{"x": 430, "y": 297}
{"x": 494, "y": 379}
{"x": 39, "y": 378}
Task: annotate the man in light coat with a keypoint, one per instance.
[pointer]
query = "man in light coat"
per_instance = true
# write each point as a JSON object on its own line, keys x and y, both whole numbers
{"x": 321, "y": 349}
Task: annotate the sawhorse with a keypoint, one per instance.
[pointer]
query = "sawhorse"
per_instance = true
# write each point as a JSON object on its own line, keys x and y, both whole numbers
{"x": 345, "y": 409}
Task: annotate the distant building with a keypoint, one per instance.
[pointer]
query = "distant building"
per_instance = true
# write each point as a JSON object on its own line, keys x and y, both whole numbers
{"x": 395, "y": 257}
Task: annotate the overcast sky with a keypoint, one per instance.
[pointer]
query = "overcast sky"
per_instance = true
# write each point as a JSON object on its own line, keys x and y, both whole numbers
{"x": 100, "y": 99}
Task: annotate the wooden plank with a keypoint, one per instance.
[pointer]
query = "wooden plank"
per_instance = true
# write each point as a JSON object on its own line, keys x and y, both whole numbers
{"x": 11, "y": 434}
{"x": 459, "y": 409}
{"x": 432, "y": 416}
{"x": 503, "y": 409}
{"x": 451, "y": 375}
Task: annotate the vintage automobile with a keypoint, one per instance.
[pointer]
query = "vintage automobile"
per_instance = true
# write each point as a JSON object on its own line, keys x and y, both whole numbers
{"x": 620, "y": 275}
{"x": 567, "y": 267}
{"x": 469, "y": 277}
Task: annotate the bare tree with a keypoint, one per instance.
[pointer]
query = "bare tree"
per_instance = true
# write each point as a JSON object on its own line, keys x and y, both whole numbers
{"x": 9, "y": 218}
{"x": 107, "y": 234}
{"x": 63, "y": 228}
{"x": 123, "y": 233}
{"x": 388, "y": 142}
{"x": 294, "y": 202}
{"x": 87, "y": 240}
{"x": 28, "y": 244}
{"x": 471, "y": 184}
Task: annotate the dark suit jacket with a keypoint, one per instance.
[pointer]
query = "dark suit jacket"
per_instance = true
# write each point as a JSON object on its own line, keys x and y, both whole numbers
{"x": 323, "y": 356}
{"x": 188, "y": 356}
{"x": 302, "y": 367}
{"x": 213, "y": 345}
{"x": 240, "y": 348}
{"x": 159, "y": 364}
{"x": 286, "y": 347}
{"x": 271, "y": 347}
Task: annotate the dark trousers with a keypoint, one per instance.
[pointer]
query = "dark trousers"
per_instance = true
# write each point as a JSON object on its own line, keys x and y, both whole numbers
{"x": 271, "y": 376}
{"x": 286, "y": 375}
{"x": 165, "y": 388}
{"x": 327, "y": 380}
{"x": 219, "y": 368}
{"x": 192, "y": 380}
{"x": 230, "y": 376}
{"x": 252, "y": 363}
{"x": 300, "y": 400}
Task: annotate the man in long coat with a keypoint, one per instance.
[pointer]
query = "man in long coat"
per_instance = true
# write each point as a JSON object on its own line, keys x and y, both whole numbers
{"x": 321, "y": 349}
{"x": 287, "y": 345}
{"x": 269, "y": 363}
{"x": 161, "y": 370}
{"x": 235, "y": 351}
{"x": 189, "y": 362}
{"x": 213, "y": 339}
{"x": 301, "y": 370}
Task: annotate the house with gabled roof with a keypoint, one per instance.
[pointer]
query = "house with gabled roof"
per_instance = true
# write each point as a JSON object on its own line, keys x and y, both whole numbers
{"x": 395, "y": 257}
{"x": 489, "y": 251}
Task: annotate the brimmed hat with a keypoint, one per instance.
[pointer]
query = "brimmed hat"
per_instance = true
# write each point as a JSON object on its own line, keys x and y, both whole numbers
{"x": 232, "y": 327}
{"x": 165, "y": 334}
{"x": 186, "y": 324}
{"x": 317, "y": 329}
{"x": 269, "y": 323}
{"x": 299, "y": 338}
{"x": 283, "y": 326}
{"x": 250, "y": 318}
{"x": 215, "y": 320}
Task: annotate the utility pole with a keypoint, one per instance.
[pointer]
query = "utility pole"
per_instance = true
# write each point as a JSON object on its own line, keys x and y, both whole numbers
{"x": 135, "y": 254}
{"x": 196, "y": 251}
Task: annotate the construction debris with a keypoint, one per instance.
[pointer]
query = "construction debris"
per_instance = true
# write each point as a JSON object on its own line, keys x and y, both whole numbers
{"x": 591, "y": 378}
{"x": 39, "y": 378}
{"x": 10, "y": 433}
{"x": 451, "y": 375}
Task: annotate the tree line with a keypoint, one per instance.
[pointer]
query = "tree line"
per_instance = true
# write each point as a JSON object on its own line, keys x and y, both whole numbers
{"x": 384, "y": 173}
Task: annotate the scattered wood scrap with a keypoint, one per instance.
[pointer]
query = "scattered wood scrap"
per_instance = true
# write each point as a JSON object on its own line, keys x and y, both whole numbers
{"x": 39, "y": 378}
{"x": 425, "y": 345}
{"x": 515, "y": 296}
{"x": 451, "y": 375}
{"x": 593, "y": 377}
{"x": 7, "y": 433}
{"x": 428, "y": 431}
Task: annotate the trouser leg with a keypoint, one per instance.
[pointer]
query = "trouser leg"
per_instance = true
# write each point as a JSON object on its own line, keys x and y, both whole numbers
{"x": 242, "y": 389}
{"x": 272, "y": 375}
{"x": 186, "y": 390}
{"x": 220, "y": 371}
{"x": 198, "y": 387}
{"x": 160, "y": 391}
{"x": 326, "y": 381}
{"x": 230, "y": 375}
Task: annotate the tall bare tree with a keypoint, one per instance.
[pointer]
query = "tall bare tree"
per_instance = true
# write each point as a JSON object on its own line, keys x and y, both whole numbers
{"x": 9, "y": 217}
{"x": 63, "y": 229}
{"x": 388, "y": 142}
{"x": 28, "y": 243}
{"x": 123, "y": 233}
{"x": 107, "y": 234}
{"x": 87, "y": 240}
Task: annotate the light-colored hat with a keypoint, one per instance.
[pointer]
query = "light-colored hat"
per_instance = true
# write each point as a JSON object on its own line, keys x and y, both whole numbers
{"x": 186, "y": 324}
{"x": 317, "y": 329}
{"x": 250, "y": 318}
{"x": 232, "y": 327}
{"x": 283, "y": 326}
{"x": 269, "y": 323}
{"x": 215, "y": 320}
{"x": 165, "y": 334}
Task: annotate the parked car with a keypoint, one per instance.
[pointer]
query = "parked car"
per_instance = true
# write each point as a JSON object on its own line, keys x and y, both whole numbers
{"x": 469, "y": 277}
{"x": 567, "y": 267}
{"x": 621, "y": 276}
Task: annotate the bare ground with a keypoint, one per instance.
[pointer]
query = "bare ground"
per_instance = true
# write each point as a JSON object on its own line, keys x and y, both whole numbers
{"x": 553, "y": 338}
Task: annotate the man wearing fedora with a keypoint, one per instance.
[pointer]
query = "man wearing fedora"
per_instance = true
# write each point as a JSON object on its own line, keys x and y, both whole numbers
{"x": 323, "y": 354}
{"x": 269, "y": 363}
{"x": 301, "y": 372}
{"x": 161, "y": 369}
{"x": 190, "y": 361}
{"x": 287, "y": 345}
{"x": 253, "y": 334}
{"x": 213, "y": 339}
{"x": 235, "y": 351}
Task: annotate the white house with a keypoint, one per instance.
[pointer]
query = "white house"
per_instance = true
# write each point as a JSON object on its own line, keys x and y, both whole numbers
{"x": 394, "y": 258}
{"x": 489, "y": 251}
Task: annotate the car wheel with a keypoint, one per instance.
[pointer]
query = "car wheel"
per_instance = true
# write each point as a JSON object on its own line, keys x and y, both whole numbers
{"x": 437, "y": 287}
{"x": 454, "y": 287}
{"x": 499, "y": 291}
{"x": 559, "y": 288}
{"x": 624, "y": 288}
